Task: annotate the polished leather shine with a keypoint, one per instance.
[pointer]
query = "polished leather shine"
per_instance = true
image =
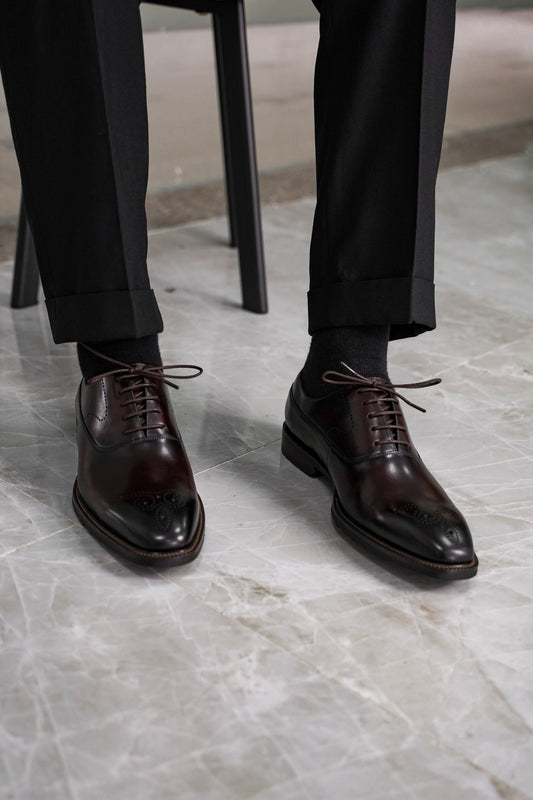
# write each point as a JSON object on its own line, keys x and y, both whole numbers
{"x": 385, "y": 498}
{"x": 135, "y": 489}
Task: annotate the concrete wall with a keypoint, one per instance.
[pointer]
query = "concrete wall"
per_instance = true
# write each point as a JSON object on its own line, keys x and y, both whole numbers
{"x": 269, "y": 11}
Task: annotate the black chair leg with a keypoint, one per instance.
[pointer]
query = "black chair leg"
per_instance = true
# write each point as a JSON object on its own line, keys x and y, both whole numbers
{"x": 229, "y": 27}
{"x": 25, "y": 288}
{"x": 225, "y": 128}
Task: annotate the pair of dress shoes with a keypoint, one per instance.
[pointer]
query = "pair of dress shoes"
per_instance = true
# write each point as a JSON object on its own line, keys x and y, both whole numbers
{"x": 135, "y": 490}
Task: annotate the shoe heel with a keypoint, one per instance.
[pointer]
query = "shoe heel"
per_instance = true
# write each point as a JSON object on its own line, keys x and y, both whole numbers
{"x": 299, "y": 455}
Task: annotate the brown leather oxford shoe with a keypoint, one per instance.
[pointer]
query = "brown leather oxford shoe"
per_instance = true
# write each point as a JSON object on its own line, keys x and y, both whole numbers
{"x": 385, "y": 499}
{"x": 135, "y": 489}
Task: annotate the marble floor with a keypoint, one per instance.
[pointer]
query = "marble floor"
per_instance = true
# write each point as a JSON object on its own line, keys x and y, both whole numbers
{"x": 282, "y": 664}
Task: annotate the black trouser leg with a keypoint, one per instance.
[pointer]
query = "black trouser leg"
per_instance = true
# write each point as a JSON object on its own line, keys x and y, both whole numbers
{"x": 73, "y": 73}
{"x": 380, "y": 99}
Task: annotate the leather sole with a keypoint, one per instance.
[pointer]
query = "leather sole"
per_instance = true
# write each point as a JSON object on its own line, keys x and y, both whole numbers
{"x": 306, "y": 460}
{"x": 115, "y": 543}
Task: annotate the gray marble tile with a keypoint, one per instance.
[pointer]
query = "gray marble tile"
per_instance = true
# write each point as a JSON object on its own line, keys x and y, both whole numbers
{"x": 494, "y": 391}
{"x": 485, "y": 235}
{"x": 452, "y": 661}
{"x": 117, "y": 683}
{"x": 467, "y": 327}
{"x": 315, "y": 671}
{"x": 38, "y": 455}
{"x": 24, "y": 520}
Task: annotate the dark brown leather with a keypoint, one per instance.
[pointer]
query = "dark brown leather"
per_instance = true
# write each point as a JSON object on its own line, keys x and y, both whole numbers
{"x": 358, "y": 437}
{"x": 135, "y": 485}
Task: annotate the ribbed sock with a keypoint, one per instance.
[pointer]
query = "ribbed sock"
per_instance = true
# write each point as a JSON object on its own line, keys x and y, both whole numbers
{"x": 363, "y": 348}
{"x": 129, "y": 351}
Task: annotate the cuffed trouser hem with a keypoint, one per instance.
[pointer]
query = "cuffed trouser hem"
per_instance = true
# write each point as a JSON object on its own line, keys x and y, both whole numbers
{"x": 104, "y": 316}
{"x": 406, "y": 304}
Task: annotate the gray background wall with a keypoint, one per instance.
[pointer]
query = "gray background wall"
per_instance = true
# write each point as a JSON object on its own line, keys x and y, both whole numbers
{"x": 269, "y": 11}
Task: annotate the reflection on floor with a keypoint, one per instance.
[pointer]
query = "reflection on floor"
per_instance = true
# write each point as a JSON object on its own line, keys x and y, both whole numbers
{"x": 282, "y": 664}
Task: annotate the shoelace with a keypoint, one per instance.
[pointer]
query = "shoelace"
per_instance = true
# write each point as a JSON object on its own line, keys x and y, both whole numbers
{"x": 140, "y": 380}
{"x": 386, "y": 393}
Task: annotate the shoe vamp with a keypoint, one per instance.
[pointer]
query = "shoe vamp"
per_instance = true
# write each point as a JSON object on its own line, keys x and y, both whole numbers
{"x": 144, "y": 492}
{"x": 147, "y": 465}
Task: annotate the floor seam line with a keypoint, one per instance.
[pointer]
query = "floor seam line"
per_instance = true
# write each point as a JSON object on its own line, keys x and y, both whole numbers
{"x": 486, "y": 353}
{"x": 40, "y": 502}
{"x": 36, "y": 541}
{"x": 236, "y": 458}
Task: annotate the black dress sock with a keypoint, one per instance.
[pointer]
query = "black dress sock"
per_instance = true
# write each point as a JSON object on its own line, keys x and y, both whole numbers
{"x": 129, "y": 351}
{"x": 361, "y": 347}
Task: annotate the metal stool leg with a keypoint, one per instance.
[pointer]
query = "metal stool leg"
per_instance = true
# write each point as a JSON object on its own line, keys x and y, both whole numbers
{"x": 25, "y": 288}
{"x": 229, "y": 29}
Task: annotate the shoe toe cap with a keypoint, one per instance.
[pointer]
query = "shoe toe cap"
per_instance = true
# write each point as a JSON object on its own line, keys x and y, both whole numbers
{"x": 160, "y": 524}
{"x": 453, "y": 546}
{"x": 438, "y": 533}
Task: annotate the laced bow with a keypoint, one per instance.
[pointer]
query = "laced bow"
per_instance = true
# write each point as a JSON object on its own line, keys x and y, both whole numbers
{"x": 377, "y": 384}
{"x": 139, "y": 379}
